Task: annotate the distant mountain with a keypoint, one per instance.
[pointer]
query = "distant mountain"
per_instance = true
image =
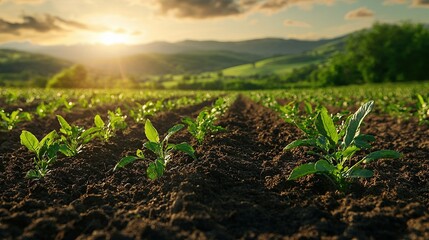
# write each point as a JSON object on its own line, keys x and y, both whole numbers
{"x": 86, "y": 53}
{"x": 19, "y": 65}
{"x": 179, "y": 63}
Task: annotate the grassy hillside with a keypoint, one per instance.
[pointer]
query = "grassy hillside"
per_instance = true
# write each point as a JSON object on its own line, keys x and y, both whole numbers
{"x": 285, "y": 64}
{"x": 159, "y": 64}
{"x": 22, "y": 66}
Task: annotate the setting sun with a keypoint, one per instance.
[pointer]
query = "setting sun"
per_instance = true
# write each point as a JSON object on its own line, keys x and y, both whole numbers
{"x": 109, "y": 38}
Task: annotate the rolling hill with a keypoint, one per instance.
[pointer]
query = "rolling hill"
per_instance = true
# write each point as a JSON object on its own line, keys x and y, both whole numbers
{"x": 86, "y": 53}
{"x": 286, "y": 63}
{"x": 21, "y": 66}
{"x": 181, "y": 63}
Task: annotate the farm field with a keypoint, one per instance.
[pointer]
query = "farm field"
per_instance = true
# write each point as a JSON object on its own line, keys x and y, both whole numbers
{"x": 237, "y": 185}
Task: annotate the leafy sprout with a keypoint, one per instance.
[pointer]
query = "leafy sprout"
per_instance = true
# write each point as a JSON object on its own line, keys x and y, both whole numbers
{"x": 162, "y": 149}
{"x": 45, "y": 150}
{"x": 335, "y": 149}
{"x": 8, "y": 121}
{"x": 73, "y": 138}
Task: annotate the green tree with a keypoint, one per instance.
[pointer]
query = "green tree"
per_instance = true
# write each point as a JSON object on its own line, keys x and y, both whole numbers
{"x": 384, "y": 53}
{"x": 73, "y": 77}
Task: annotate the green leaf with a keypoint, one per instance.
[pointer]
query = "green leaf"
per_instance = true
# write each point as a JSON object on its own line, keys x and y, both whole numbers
{"x": 186, "y": 148}
{"x": 349, "y": 152}
{"x": 29, "y": 141}
{"x": 153, "y": 146}
{"x": 353, "y": 126}
{"x": 299, "y": 143}
{"x": 125, "y": 161}
{"x": 361, "y": 173}
{"x": 88, "y": 134}
{"x": 302, "y": 170}
{"x": 362, "y": 141}
{"x": 64, "y": 124}
{"x": 64, "y": 149}
{"x": 308, "y": 107}
{"x": 324, "y": 166}
{"x": 155, "y": 169}
{"x": 325, "y": 126}
{"x": 49, "y": 138}
{"x": 33, "y": 174}
{"x": 139, "y": 153}
{"x": 98, "y": 121}
{"x": 381, "y": 154}
{"x": 173, "y": 130}
{"x": 151, "y": 133}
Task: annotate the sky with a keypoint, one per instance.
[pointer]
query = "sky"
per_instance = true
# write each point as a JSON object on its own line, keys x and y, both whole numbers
{"x": 50, "y": 22}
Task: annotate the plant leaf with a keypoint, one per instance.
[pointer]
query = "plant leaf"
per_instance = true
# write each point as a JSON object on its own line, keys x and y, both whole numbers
{"x": 153, "y": 146}
{"x": 151, "y": 133}
{"x": 353, "y": 126}
{"x": 302, "y": 170}
{"x": 186, "y": 148}
{"x": 33, "y": 174}
{"x": 155, "y": 169}
{"x": 139, "y": 153}
{"x": 324, "y": 166}
{"x": 325, "y": 126}
{"x": 29, "y": 141}
{"x": 125, "y": 161}
{"x": 173, "y": 130}
{"x": 362, "y": 141}
{"x": 361, "y": 173}
{"x": 64, "y": 124}
{"x": 299, "y": 143}
{"x": 98, "y": 121}
{"x": 381, "y": 154}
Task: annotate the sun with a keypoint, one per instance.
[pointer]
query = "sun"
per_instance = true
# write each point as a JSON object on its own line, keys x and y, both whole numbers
{"x": 110, "y": 38}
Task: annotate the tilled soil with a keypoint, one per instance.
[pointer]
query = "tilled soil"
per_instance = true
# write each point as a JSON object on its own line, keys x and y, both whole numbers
{"x": 237, "y": 188}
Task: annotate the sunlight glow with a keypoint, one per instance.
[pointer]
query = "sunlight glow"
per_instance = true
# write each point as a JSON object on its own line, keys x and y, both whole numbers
{"x": 109, "y": 38}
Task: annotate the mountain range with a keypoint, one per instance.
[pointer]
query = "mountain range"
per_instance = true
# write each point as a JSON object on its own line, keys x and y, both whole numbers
{"x": 157, "y": 58}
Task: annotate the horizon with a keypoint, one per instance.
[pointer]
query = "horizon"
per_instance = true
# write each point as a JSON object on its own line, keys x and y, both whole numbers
{"x": 135, "y": 22}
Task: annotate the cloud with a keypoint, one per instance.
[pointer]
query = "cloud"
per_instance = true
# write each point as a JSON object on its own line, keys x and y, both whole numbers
{"x": 204, "y": 9}
{"x": 199, "y": 8}
{"x": 47, "y": 23}
{"x": 394, "y": 2}
{"x": 23, "y": 1}
{"x": 293, "y": 23}
{"x": 420, "y": 3}
{"x": 413, "y": 3}
{"x": 362, "y": 12}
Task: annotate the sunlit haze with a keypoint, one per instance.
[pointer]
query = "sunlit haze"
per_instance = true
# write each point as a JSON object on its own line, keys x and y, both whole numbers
{"x": 142, "y": 21}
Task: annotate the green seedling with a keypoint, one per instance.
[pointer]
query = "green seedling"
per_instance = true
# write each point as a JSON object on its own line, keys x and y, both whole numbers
{"x": 162, "y": 149}
{"x": 422, "y": 109}
{"x": 73, "y": 138}
{"x": 8, "y": 121}
{"x": 45, "y": 150}
{"x": 205, "y": 122}
{"x": 115, "y": 123}
{"x": 142, "y": 112}
{"x": 335, "y": 155}
{"x": 44, "y": 110}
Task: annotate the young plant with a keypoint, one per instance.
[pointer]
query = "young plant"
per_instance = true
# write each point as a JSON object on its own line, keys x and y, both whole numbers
{"x": 9, "y": 120}
{"x": 335, "y": 155}
{"x": 204, "y": 123}
{"x": 422, "y": 109}
{"x": 115, "y": 123}
{"x": 142, "y": 112}
{"x": 73, "y": 138}
{"x": 162, "y": 149}
{"x": 45, "y": 150}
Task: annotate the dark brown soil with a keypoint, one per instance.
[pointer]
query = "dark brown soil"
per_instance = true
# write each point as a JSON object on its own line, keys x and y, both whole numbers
{"x": 237, "y": 188}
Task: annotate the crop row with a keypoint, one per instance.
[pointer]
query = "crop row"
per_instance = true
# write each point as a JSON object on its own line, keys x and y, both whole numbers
{"x": 70, "y": 140}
